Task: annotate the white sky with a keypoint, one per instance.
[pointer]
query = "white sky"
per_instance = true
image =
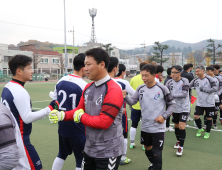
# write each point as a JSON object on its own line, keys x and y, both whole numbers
{"x": 124, "y": 23}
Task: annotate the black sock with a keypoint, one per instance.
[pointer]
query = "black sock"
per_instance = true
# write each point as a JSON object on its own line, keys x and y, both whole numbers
{"x": 220, "y": 114}
{"x": 209, "y": 125}
{"x": 182, "y": 136}
{"x": 149, "y": 154}
{"x": 198, "y": 123}
{"x": 157, "y": 160}
{"x": 177, "y": 133}
{"x": 205, "y": 120}
{"x": 214, "y": 119}
{"x": 168, "y": 122}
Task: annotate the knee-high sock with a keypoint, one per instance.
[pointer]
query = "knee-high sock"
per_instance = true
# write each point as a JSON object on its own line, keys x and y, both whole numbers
{"x": 214, "y": 119}
{"x": 149, "y": 154}
{"x": 157, "y": 160}
{"x": 177, "y": 133}
{"x": 168, "y": 122}
{"x": 182, "y": 136}
{"x": 132, "y": 134}
{"x": 124, "y": 150}
{"x": 198, "y": 123}
{"x": 209, "y": 125}
{"x": 57, "y": 164}
{"x": 205, "y": 120}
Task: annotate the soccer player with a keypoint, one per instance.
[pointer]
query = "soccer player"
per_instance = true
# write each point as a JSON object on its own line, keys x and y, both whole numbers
{"x": 100, "y": 111}
{"x": 125, "y": 86}
{"x": 153, "y": 98}
{"x": 169, "y": 77}
{"x": 68, "y": 92}
{"x": 159, "y": 71}
{"x": 136, "y": 111}
{"x": 205, "y": 87}
{"x": 179, "y": 89}
{"x": 17, "y": 99}
{"x": 218, "y": 81}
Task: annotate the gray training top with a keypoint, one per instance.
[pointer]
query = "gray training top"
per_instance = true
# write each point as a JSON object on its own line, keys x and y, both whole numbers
{"x": 205, "y": 91}
{"x": 180, "y": 92}
{"x": 152, "y": 102}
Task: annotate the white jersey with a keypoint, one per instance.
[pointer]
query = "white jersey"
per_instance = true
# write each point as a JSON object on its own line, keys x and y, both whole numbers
{"x": 125, "y": 86}
{"x": 157, "y": 80}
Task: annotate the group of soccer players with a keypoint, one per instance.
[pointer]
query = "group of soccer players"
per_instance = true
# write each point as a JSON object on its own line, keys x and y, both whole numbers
{"x": 92, "y": 118}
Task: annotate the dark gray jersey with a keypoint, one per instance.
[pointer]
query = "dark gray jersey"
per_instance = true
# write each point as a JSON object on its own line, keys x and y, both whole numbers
{"x": 152, "y": 102}
{"x": 180, "y": 92}
{"x": 205, "y": 91}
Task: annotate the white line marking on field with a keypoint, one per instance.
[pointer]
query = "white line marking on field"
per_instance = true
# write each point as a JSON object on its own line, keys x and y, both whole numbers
{"x": 41, "y": 101}
{"x": 36, "y": 108}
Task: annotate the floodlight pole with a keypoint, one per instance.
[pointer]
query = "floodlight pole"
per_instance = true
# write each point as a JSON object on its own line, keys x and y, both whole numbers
{"x": 66, "y": 59}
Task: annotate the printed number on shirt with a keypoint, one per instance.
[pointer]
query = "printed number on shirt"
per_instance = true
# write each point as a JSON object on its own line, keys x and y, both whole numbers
{"x": 141, "y": 96}
{"x": 73, "y": 96}
{"x": 5, "y": 103}
{"x": 161, "y": 142}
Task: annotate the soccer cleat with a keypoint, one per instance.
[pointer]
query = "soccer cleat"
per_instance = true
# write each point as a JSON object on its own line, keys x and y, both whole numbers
{"x": 199, "y": 131}
{"x": 170, "y": 129}
{"x": 215, "y": 126}
{"x": 150, "y": 167}
{"x": 189, "y": 119}
{"x": 177, "y": 145}
{"x": 207, "y": 135}
{"x": 179, "y": 151}
{"x": 127, "y": 160}
{"x": 204, "y": 127}
{"x": 143, "y": 148}
{"x": 132, "y": 145}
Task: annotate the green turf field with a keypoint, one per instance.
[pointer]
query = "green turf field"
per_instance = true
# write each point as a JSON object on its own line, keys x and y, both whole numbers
{"x": 199, "y": 153}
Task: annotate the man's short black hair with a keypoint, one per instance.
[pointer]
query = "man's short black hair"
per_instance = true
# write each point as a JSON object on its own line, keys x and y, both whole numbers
{"x": 78, "y": 61}
{"x": 159, "y": 69}
{"x": 190, "y": 64}
{"x": 122, "y": 68}
{"x": 169, "y": 71}
{"x": 210, "y": 68}
{"x": 177, "y": 67}
{"x": 149, "y": 68}
{"x": 186, "y": 67}
{"x": 220, "y": 71}
{"x": 142, "y": 64}
{"x": 113, "y": 62}
{"x": 19, "y": 61}
{"x": 216, "y": 66}
{"x": 99, "y": 55}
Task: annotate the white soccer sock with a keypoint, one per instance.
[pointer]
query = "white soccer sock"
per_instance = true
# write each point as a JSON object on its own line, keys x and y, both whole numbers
{"x": 57, "y": 164}
{"x": 78, "y": 168}
{"x": 124, "y": 150}
{"x": 132, "y": 134}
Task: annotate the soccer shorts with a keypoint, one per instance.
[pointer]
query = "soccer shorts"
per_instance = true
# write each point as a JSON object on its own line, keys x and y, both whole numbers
{"x": 135, "y": 115}
{"x": 180, "y": 117}
{"x": 69, "y": 145}
{"x": 153, "y": 139}
{"x": 32, "y": 155}
{"x": 217, "y": 107}
{"x": 125, "y": 122}
{"x": 200, "y": 111}
{"x": 90, "y": 163}
{"x": 220, "y": 97}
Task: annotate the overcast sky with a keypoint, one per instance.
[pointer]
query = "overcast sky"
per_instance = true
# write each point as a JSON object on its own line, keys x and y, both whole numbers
{"x": 124, "y": 23}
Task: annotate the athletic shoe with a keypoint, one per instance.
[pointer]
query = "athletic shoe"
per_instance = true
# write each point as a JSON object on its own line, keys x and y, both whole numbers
{"x": 207, "y": 135}
{"x": 177, "y": 145}
{"x": 189, "y": 119}
{"x": 215, "y": 126}
{"x": 127, "y": 160}
{"x": 204, "y": 127}
{"x": 170, "y": 129}
{"x": 150, "y": 167}
{"x": 179, "y": 151}
{"x": 143, "y": 148}
{"x": 199, "y": 131}
{"x": 186, "y": 125}
{"x": 220, "y": 120}
{"x": 132, "y": 145}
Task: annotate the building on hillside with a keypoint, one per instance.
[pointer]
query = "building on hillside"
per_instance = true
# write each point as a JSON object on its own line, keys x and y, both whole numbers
{"x": 6, "y": 55}
{"x": 69, "y": 49}
{"x": 115, "y": 52}
{"x": 133, "y": 60}
{"x": 174, "y": 59}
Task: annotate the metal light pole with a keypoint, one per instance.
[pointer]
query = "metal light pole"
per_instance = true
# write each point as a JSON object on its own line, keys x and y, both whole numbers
{"x": 66, "y": 59}
{"x": 73, "y": 42}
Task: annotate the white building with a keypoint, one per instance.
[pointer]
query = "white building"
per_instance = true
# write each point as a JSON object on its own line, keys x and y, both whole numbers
{"x": 6, "y": 55}
{"x": 174, "y": 59}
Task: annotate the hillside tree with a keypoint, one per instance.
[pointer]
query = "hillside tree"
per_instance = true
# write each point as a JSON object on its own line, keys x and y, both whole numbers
{"x": 158, "y": 54}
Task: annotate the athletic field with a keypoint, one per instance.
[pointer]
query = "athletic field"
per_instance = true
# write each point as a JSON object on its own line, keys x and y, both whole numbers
{"x": 199, "y": 153}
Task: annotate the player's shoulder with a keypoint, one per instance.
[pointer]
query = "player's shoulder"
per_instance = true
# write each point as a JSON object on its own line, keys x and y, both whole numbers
{"x": 209, "y": 78}
{"x": 162, "y": 87}
{"x": 4, "y": 114}
{"x": 112, "y": 84}
{"x": 185, "y": 80}
{"x": 169, "y": 81}
{"x": 16, "y": 88}
{"x": 195, "y": 79}
{"x": 73, "y": 79}
{"x": 141, "y": 86}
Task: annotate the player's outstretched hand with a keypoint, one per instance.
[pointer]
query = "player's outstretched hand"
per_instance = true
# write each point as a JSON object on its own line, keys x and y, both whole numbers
{"x": 55, "y": 116}
{"x": 77, "y": 115}
{"x": 160, "y": 119}
{"x": 124, "y": 94}
{"x": 54, "y": 105}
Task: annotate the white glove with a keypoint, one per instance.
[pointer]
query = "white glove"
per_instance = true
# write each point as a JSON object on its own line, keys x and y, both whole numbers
{"x": 51, "y": 95}
{"x": 216, "y": 98}
{"x": 55, "y": 116}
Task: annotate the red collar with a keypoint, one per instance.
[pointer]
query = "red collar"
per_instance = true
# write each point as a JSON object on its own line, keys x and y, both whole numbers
{"x": 73, "y": 75}
{"x": 16, "y": 83}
